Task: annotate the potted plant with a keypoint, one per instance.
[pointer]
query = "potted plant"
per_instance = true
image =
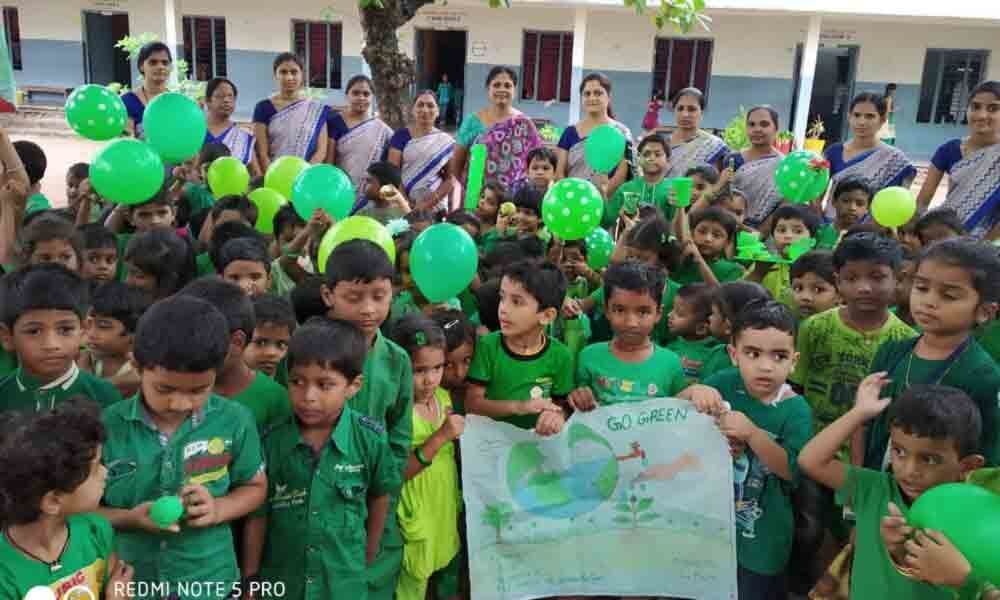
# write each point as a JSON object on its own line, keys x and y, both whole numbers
{"x": 814, "y": 137}
{"x": 785, "y": 141}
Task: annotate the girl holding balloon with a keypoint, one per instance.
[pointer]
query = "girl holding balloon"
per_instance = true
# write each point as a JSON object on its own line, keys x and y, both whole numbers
{"x": 752, "y": 170}
{"x": 356, "y": 139}
{"x": 220, "y": 102}
{"x": 690, "y": 145}
{"x": 155, "y": 63}
{"x": 421, "y": 151}
{"x": 287, "y": 124}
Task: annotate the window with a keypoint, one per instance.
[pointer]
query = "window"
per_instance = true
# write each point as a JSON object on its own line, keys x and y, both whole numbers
{"x": 319, "y": 45}
{"x": 205, "y": 47}
{"x": 949, "y": 76}
{"x": 12, "y": 31}
{"x": 547, "y": 66}
{"x": 680, "y": 63}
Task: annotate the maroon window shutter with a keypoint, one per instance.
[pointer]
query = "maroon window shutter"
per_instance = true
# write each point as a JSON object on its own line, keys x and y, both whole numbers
{"x": 317, "y": 55}
{"x": 566, "y": 84}
{"x": 220, "y": 47}
{"x": 548, "y": 66}
{"x": 528, "y": 65}
{"x": 680, "y": 65}
{"x": 661, "y": 62}
{"x": 703, "y": 66}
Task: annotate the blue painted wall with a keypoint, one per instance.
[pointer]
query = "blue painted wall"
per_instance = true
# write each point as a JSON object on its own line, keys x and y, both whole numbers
{"x": 50, "y": 62}
{"x": 918, "y": 140}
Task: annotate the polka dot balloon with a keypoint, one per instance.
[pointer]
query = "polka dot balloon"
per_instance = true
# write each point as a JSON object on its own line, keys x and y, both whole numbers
{"x": 572, "y": 208}
{"x": 95, "y": 112}
{"x": 802, "y": 176}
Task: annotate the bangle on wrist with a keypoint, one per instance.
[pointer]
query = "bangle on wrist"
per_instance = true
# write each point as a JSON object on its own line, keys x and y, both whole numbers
{"x": 419, "y": 453}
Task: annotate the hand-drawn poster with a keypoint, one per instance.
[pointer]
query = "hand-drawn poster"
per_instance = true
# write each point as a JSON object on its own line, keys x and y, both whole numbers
{"x": 631, "y": 499}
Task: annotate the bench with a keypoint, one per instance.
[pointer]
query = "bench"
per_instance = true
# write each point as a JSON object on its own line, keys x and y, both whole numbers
{"x": 53, "y": 90}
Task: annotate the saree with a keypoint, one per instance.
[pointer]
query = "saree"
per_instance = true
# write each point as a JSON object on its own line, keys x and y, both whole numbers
{"x": 883, "y": 166}
{"x": 240, "y": 142}
{"x": 974, "y": 190}
{"x": 755, "y": 179}
{"x": 507, "y": 145}
{"x": 359, "y": 147}
{"x": 576, "y": 163}
{"x": 293, "y": 130}
{"x": 423, "y": 159}
{"x": 703, "y": 148}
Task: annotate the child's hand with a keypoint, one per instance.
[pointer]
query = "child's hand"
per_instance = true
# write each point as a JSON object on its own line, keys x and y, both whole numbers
{"x": 868, "y": 399}
{"x": 550, "y": 422}
{"x": 537, "y": 405}
{"x": 452, "y": 427}
{"x": 582, "y": 399}
{"x": 116, "y": 588}
{"x": 628, "y": 221}
{"x": 142, "y": 521}
{"x": 895, "y": 532}
{"x": 690, "y": 250}
{"x": 199, "y": 506}
{"x": 318, "y": 223}
{"x": 934, "y": 559}
{"x": 706, "y": 400}
{"x": 736, "y": 426}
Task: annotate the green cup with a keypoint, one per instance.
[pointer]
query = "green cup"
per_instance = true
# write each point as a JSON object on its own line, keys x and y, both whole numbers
{"x": 681, "y": 187}
{"x": 631, "y": 203}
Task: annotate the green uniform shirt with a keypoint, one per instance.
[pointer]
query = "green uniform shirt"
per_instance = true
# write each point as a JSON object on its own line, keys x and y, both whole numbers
{"x": 827, "y": 237}
{"x": 204, "y": 265}
{"x": 694, "y": 355}
{"x": 84, "y": 562}
{"x": 724, "y": 270}
{"x": 717, "y": 361}
{"x": 765, "y": 525}
{"x": 267, "y": 400}
{"x": 217, "y": 447}
{"x": 988, "y": 337}
{"x": 122, "y": 240}
{"x": 489, "y": 240}
{"x": 316, "y": 506}
{"x": 8, "y": 363}
{"x": 873, "y": 576}
{"x": 834, "y": 358}
{"x": 509, "y": 376}
{"x": 973, "y": 371}
{"x": 614, "y": 381}
{"x": 20, "y": 391}
{"x": 198, "y": 197}
{"x": 600, "y": 327}
{"x": 656, "y": 194}
{"x": 778, "y": 281}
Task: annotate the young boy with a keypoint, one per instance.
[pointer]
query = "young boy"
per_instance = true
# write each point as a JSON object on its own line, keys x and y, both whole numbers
{"x": 836, "y": 347}
{"x": 727, "y": 302}
{"x": 937, "y": 225}
{"x": 518, "y": 374}
{"x": 51, "y": 481}
{"x": 630, "y": 367}
{"x": 572, "y": 260}
{"x": 274, "y": 325}
{"x": 245, "y": 262}
{"x": 52, "y": 239}
{"x": 157, "y": 212}
{"x": 651, "y": 189}
{"x": 43, "y": 309}
{"x": 267, "y": 400}
{"x": 114, "y": 313}
{"x": 904, "y": 285}
{"x": 712, "y": 229}
{"x": 75, "y": 176}
{"x": 358, "y": 289}
{"x": 814, "y": 284}
{"x": 528, "y": 201}
{"x": 383, "y": 207}
{"x": 100, "y": 253}
{"x": 934, "y": 432}
{"x": 852, "y": 199}
{"x": 331, "y": 475}
{"x": 955, "y": 290}
{"x": 191, "y": 193}
{"x": 542, "y": 164}
{"x": 177, "y": 437}
{"x": 689, "y": 324}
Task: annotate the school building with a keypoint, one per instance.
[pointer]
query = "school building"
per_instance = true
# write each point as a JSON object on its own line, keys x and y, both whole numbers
{"x": 805, "y": 57}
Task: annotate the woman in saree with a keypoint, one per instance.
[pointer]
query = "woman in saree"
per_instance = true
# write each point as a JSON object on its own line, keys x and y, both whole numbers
{"x": 220, "y": 102}
{"x": 973, "y": 167}
{"x": 286, "y": 124}
{"x": 864, "y": 155}
{"x": 155, "y": 63}
{"x": 356, "y": 139}
{"x": 422, "y": 152}
{"x": 507, "y": 133}
{"x": 752, "y": 170}
{"x": 595, "y": 96}
{"x": 690, "y": 146}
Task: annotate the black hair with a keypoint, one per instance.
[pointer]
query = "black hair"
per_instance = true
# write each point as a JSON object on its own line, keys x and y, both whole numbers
{"x": 498, "y": 71}
{"x": 353, "y": 81}
{"x": 979, "y": 259}
{"x": 798, "y": 212}
{"x": 461, "y": 217}
{"x": 286, "y": 216}
{"x": 716, "y": 214}
{"x": 939, "y": 216}
{"x": 165, "y": 256}
{"x": 653, "y": 235}
{"x": 271, "y": 309}
{"x": 286, "y": 57}
{"x": 878, "y": 100}
{"x": 307, "y": 298}
{"x": 867, "y": 247}
{"x": 161, "y": 197}
{"x": 386, "y": 173}
{"x": 503, "y": 254}
{"x": 488, "y": 296}
{"x": 497, "y": 188}
{"x": 415, "y": 216}
{"x": 771, "y": 111}
{"x": 182, "y": 333}
{"x": 989, "y": 86}
{"x": 732, "y": 296}
{"x": 213, "y": 151}
{"x": 457, "y": 328}
{"x": 414, "y": 331}
{"x": 765, "y": 314}
{"x": 33, "y": 158}
{"x": 228, "y": 299}
{"x": 655, "y": 138}
{"x": 403, "y": 241}
{"x": 252, "y": 249}
{"x": 239, "y": 203}
{"x": 634, "y": 276}
{"x": 707, "y": 172}
{"x": 223, "y": 233}
{"x": 120, "y": 302}
{"x": 42, "y": 287}
{"x": 542, "y": 153}
{"x": 331, "y": 343}
{"x": 425, "y": 92}
{"x": 869, "y": 227}
{"x": 47, "y": 228}
{"x": 604, "y": 82}
{"x": 45, "y": 452}
{"x": 97, "y": 237}
{"x": 580, "y": 245}
{"x": 542, "y": 280}
{"x": 699, "y": 298}
{"x": 151, "y": 48}
{"x": 358, "y": 260}
{"x": 817, "y": 262}
{"x": 690, "y": 91}
{"x": 938, "y": 412}
{"x": 854, "y": 183}
{"x": 529, "y": 198}
{"x": 214, "y": 83}
{"x": 80, "y": 170}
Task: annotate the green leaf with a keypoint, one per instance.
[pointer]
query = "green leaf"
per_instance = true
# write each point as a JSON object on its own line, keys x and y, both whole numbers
{"x": 644, "y": 504}
{"x": 648, "y": 517}
{"x": 623, "y": 507}
{"x": 622, "y": 519}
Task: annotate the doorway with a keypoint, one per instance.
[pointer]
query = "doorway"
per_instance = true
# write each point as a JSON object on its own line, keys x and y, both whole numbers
{"x": 441, "y": 53}
{"x": 833, "y": 88}
{"x": 102, "y": 62}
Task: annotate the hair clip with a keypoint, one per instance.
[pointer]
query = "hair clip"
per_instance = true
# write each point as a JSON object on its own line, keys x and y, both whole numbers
{"x": 450, "y": 324}
{"x": 396, "y": 227}
{"x": 420, "y": 338}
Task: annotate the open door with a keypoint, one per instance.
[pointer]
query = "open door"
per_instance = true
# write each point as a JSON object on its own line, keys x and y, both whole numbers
{"x": 833, "y": 88}
{"x": 103, "y": 63}
{"x": 440, "y": 54}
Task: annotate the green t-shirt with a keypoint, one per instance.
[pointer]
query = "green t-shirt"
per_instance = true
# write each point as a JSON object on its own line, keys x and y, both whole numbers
{"x": 267, "y": 401}
{"x": 217, "y": 446}
{"x": 600, "y": 327}
{"x": 509, "y": 376}
{"x": 873, "y": 575}
{"x": 84, "y": 562}
{"x": 695, "y": 354}
{"x": 988, "y": 337}
{"x": 778, "y": 281}
{"x": 827, "y": 237}
{"x": 316, "y": 507}
{"x": 8, "y": 362}
{"x": 198, "y": 197}
{"x": 21, "y": 392}
{"x": 122, "y": 239}
{"x": 203, "y": 264}
{"x": 765, "y": 524}
{"x": 614, "y": 381}
{"x": 723, "y": 269}
{"x": 834, "y": 358}
{"x": 405, "y": 303}
{"x": 489, "y": 240}
{"x": 656, "y": 194}
{"x": 973, "y": 371}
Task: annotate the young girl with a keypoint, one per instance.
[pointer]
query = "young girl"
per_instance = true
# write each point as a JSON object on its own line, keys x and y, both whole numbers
{"x": 429, "y": 502}
{"x": 651, "y": 122}
{"x": 159, "y": 262}
{"x": 460, "y": 337}
{"x": 52, "y": 239}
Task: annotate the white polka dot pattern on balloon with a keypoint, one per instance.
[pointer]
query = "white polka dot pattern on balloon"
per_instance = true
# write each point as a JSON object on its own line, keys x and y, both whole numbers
{"x": 566, "y": 212}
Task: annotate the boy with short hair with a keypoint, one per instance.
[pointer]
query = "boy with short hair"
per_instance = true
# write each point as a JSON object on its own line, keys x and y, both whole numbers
{"x": 100, "y": 253}
{"x": 934, "y": 431}
{"x": 114, "y": 313}
{"x": 245, "y": 262}
{"x": 177, "y": 437}
{"x": 542, "y": 164}
{"x": 712, "y": 230}
{"x": 939, "y": 224}
{"x": 572, "y": 260}
{"x": 384, "y": 207}
{"x": 157, "y": 212}
{"x": 651, "y": 189}
{"x": 528, "y": 201}
{"x": 814, "y": 283}
{"x": 274, "y": 325}
{"x": 43, "y": 309}
{"x": 52, "y": 239}
{"x": 790, "y": 224}
{"x": 851, "y": 200}
{"x": 689, "y": 324}
{"x": 158, "y": 261}
{"x": 328, "y": 456}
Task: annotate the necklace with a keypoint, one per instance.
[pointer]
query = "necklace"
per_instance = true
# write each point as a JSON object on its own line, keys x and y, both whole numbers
{"x": 53, "y": 565}
{"x": 949, "y": 362}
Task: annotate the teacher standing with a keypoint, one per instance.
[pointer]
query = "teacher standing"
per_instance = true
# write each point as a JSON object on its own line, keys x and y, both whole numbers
{"x": 155, "y": 64}
{"x": 422, "y": 152}
{"x": 357, "y": 139}
{"x": 690, "y": 146}
{"x": 287, "y": 123}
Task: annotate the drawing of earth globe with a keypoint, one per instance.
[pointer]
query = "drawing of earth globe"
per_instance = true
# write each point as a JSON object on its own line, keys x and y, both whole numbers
{"x": 588, "y": 481}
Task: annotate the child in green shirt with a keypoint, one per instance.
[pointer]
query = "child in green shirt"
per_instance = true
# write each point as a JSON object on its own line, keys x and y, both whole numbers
{"x": 791, "y": 223}
{"x": 128, "y": 220}
{"x": 851, "y": 200}
{"x": 245, "y": 262}
{"x": 100, "y": 253}
{"x": 384, "y": 207}
{"x": 689, "y": 324}
{"x": 652, "y": 189}
{"x": 460, "y": 345}
{"x": 114, "y": 314}
{"x": 712, "y": 230}
{"x": 274, "y": 324}
{"x": 814, "y": 284}
{"x": 727, "y": 302}
{"x": 494, "y": 226}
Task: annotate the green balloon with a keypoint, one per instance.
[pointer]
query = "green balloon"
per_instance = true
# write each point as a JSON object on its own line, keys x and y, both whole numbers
{"x": 95, "y": 112}
{"x": 600, "y": 247}
{"x": 326, "y": 187}
{"x": 970, "y": 516}
{"x": 802, "y": 177}
{"x": 477, "y": 171}
{"x": 572, "y": 208}
{"x": 282, "y": 173}
{"x": 228, "y": 176}
{"x": 443, "y": 261}
{"x": 166, "y": 511}
{"x": 355, "y": 228}
{"x": 893, "y": 207}
{"x": 127, "y": 171}
{"x": 604, "y": 148}
{"x": 268, "y": 202}
{"x": 174, "y": 125}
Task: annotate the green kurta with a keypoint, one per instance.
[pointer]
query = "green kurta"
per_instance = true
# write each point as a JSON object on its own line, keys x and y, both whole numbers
{"x": 267, "y": 400}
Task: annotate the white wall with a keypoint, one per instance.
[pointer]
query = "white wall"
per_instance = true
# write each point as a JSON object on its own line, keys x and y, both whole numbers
{"x": 63, "y": 19}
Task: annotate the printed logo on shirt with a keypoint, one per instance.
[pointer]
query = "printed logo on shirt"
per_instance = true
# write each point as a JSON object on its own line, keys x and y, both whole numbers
{"x": 652, "y": 391}
{"x": 542, "y": 388}
{"x": 348, "y": 468}
{"x": 206, "y": 461}
{"x": 691, "y": 367}
{"x": 77, "y": 586}
{"x": 286, "y": 498}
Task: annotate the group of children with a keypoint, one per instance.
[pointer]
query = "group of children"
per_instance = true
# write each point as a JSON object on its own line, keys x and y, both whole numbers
{"x": 308, "y": 421}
